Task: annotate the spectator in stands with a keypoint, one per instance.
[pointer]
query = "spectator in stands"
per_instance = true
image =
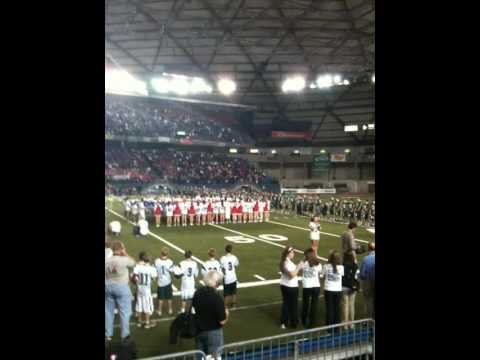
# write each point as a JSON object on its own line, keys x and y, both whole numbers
{"x": 210, "y": 313}
{"x": 117, "y": 290}
{"x": 367, "y": 276}
{"x": 350, "y": 286}
{"x": 349, "y": 246}
{"x": 333, "y": 273}
{"x": 289, "y": 288}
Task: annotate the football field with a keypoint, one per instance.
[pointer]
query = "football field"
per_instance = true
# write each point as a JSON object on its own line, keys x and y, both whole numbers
{"x": 258, "y": 247}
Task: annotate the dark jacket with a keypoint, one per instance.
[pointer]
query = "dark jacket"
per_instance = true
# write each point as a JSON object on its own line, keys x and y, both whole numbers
{"x": 348, "y": 279}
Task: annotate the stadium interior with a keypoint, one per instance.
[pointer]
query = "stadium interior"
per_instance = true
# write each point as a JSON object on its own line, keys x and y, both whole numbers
{"x": 244, "y": 98}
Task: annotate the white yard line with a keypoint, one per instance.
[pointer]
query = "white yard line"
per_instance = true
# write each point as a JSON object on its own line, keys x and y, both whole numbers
{"x": 259, "y": 277}
{"x": 261, "y": 240}
{"x": 321, "y": 232}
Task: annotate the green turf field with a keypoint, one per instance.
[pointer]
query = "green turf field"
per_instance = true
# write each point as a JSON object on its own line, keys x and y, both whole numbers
{"x": 258, "y": 303}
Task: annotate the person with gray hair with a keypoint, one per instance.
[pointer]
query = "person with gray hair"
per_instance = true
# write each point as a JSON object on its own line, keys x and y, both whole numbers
{"x": 210, "y": 313}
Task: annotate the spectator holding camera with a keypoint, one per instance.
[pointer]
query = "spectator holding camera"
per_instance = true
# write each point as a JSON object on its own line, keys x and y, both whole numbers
{"x": 210, "y": 313}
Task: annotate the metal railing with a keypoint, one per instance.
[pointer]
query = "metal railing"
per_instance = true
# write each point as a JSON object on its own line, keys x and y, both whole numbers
{"x": 187, "y": 355}
{"x": 353, "y": 340}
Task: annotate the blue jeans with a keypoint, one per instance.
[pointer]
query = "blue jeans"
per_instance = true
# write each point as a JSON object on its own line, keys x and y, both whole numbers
{"x": 120, "y": 294}
{"x": 210, "y": 341}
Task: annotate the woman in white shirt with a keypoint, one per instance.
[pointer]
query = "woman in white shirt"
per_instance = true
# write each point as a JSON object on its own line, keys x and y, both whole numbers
{"x": 333, "y": 273}
{"x": 289, "y": 288}
{"x": 312, "y": 271}
{"x": 314, "y": 227}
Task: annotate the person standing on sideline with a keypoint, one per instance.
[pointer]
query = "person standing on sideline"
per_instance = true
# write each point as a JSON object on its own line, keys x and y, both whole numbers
{"x": 143, "y": 274}
{"x": 349, "y": 245}
{"x": 188, "y": 271}
{"x": 314, "y": 227}
{"x": 164, "y": 267}
{"x": 312, "y": 271}
{"x": 117, "y": 290}
{"x": 210, "y": 314}
{"x": 229, "y": 262}
{"x": 212, "y": 263}
{"x": 333, "y": 273}
{"x": 289, "y": 288}
{"x": 350, "y": 287}
{"x": 367, "y": 276}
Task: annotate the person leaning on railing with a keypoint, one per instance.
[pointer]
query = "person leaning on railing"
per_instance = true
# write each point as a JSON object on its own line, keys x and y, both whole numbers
{"x": 367, "y": 275}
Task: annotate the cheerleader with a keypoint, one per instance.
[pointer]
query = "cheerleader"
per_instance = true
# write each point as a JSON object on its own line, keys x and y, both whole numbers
{"x": 184, "y": 211}
{"x": 314, "y": 227}
{"x": 209, "y": 212}
{"x": 158, "y": 213}
{"x": 191, "y": 213}
{"x": 176, "y": 214}
{"x": 266, "y": 210}
{"x": 240, "y": 213}
{"x": 198, "y": 212}
{"x": 203, "y": 207}
{"x": 228, "y": 210}
{"x": 221, "y": 212}
{"x": 234, "y": 213}
{"x": 255, "y": 212}
{"x": 169, "y": 213}
{"x": 261, "y": 206}
{"x": 216, "y": 212}
{"x": 249, "y": 209}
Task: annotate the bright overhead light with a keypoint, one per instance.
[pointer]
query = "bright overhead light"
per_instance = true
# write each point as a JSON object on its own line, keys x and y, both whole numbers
{"x": 313, "y": 86}
{"x": 296, "y": 152}
{"x": 324, "y": 81}
{"x": 160, "y": 85}
{"x": 226, "y": 86}
{"x": 274, "y": 151}
{"x": 180, "y": 86}
{"x": 122, "y": 81}
{"x": 233, "y": 151}
{"x": 181, "y": 133}
{"x": 254, "y": 151}
{"x": 364, "y": 127}
{"x": 323, "y": 151}
{"x": 198, "y": 85}
{"x": 350, "y": 128}
{"x": 294, "y": 84}
{"x": 346, "y": 82}
{"x": 371, "y": 126}
{"x": 337, "y": 79}
{"x": 373, "y": 78}
{"x": 347, "y": 151}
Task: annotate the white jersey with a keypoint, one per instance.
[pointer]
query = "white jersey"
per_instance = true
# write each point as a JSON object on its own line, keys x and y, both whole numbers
{"x": 135, "y": 209}
{"x": 143, "y": 224}
{"x": 229, "y": 262}
{"x": 203, "y": 209}
{"x": 333, "y": 282}
{"x": 216, "y": 208}
{"x": 189, "y": 270}
{"x": 126, "y": 206}
{"x": 261, "y": 206}
{"x": 228, "y": 209}
{"x": 285, "y": 279}
{"x": 169, "y": 210}
{"x": 141, "y": 213}
{"x": 141, "y": 206}
{"x": 115, "y": 227}
{"x": 221, "y": 209}
{"x": 311, "y": 275}
{"x": 314, "y": 230}
{"x": 210, "y": 265}
{"x": 183, "y": 208}
{"x": 145, "y": 274}
{"x": 164, "y": 268}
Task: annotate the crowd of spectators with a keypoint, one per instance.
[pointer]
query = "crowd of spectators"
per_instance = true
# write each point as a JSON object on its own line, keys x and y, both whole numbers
{"x": 184, "y": 168}
{"x": 147, "y": 118}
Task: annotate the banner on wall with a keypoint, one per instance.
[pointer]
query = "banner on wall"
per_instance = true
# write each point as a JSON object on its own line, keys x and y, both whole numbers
{"x": 308, "y": 191}
{"x": 338, "y": 157}
{"x": 321, "y": 162}
{"x": 291, "y": 135}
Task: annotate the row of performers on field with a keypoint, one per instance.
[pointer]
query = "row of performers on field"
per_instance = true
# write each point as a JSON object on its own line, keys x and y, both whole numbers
{"x": 200, "y": 212}
{"x": 340, "y": 210}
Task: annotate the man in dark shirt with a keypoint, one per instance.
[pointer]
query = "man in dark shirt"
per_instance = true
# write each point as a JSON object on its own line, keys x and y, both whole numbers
{"x": 210, "y": 314}
{"x": 349, "y": 245}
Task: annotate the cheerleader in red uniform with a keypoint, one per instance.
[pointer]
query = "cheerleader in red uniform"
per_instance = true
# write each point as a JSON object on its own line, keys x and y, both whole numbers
{"x": 234, "y": 212}
{"x": 158, "y": 214}
{"x": 266, "y": 210}
{"x": 176, "y": 215}
{"x": 209, "y": 212}
{"x": 191, "y": 213}
{"x": 240, "y": 214}
{"x": 255, "y": 212}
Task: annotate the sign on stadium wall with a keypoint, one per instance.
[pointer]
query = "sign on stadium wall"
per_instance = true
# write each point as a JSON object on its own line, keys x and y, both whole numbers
{"x": 309, "y": 191}
{"x": 291, "y": 135}
{"x": 338, "y": 157}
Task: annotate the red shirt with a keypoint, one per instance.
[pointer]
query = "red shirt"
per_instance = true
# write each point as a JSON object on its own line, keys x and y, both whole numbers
{"x": 239, "y": 209}
{"x": 209, "y": 208}
{"x": 255, "y": 207}
{"x": 266, "y": 206}
{"x": 177, "y": 210}
{"x": 158, "y": 211}
{"x": 191, "y": 210}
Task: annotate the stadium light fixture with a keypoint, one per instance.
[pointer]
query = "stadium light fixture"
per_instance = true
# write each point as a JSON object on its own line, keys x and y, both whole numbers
{"x": 233, "y": 151}
{"x": 371, "y": 126}
{"x": 350, "y": 128}
{"x": 294, "y": 84}
{"x": 324, "y": 81}
{"x": 346, "y": 82}
{"x": 226, "y": 86}
{"x": 347, "y": 151}
{"x": 337, "y": 79}
{"x": 254, "y": 151}
{"x": 121, "y": 81}
{"x": 323, "y": 151}
{"x": 296, "y": 152}
{"x": 373, "y": 78}
{"x": 274, "y": 151}
{"x": 181, "y": 133}
{"x": 161, "y": 85}
{"x": 364, "y": 127}
{"x": 180, "y": 86}
{"x": 313, "y": 86}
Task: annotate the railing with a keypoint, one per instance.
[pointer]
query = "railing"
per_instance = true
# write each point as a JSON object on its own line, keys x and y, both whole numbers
{"x": 352, "y": 340}
{"x": 342, "y": 341}
{"x": 187, "y": 355}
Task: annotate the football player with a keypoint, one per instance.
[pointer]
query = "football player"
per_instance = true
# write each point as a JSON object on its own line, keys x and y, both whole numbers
{"x": 143, "y": 273}
{"x": 187, "y": 270}
{"x": 229, "y": 263}
{"x": 164, "y": 267}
